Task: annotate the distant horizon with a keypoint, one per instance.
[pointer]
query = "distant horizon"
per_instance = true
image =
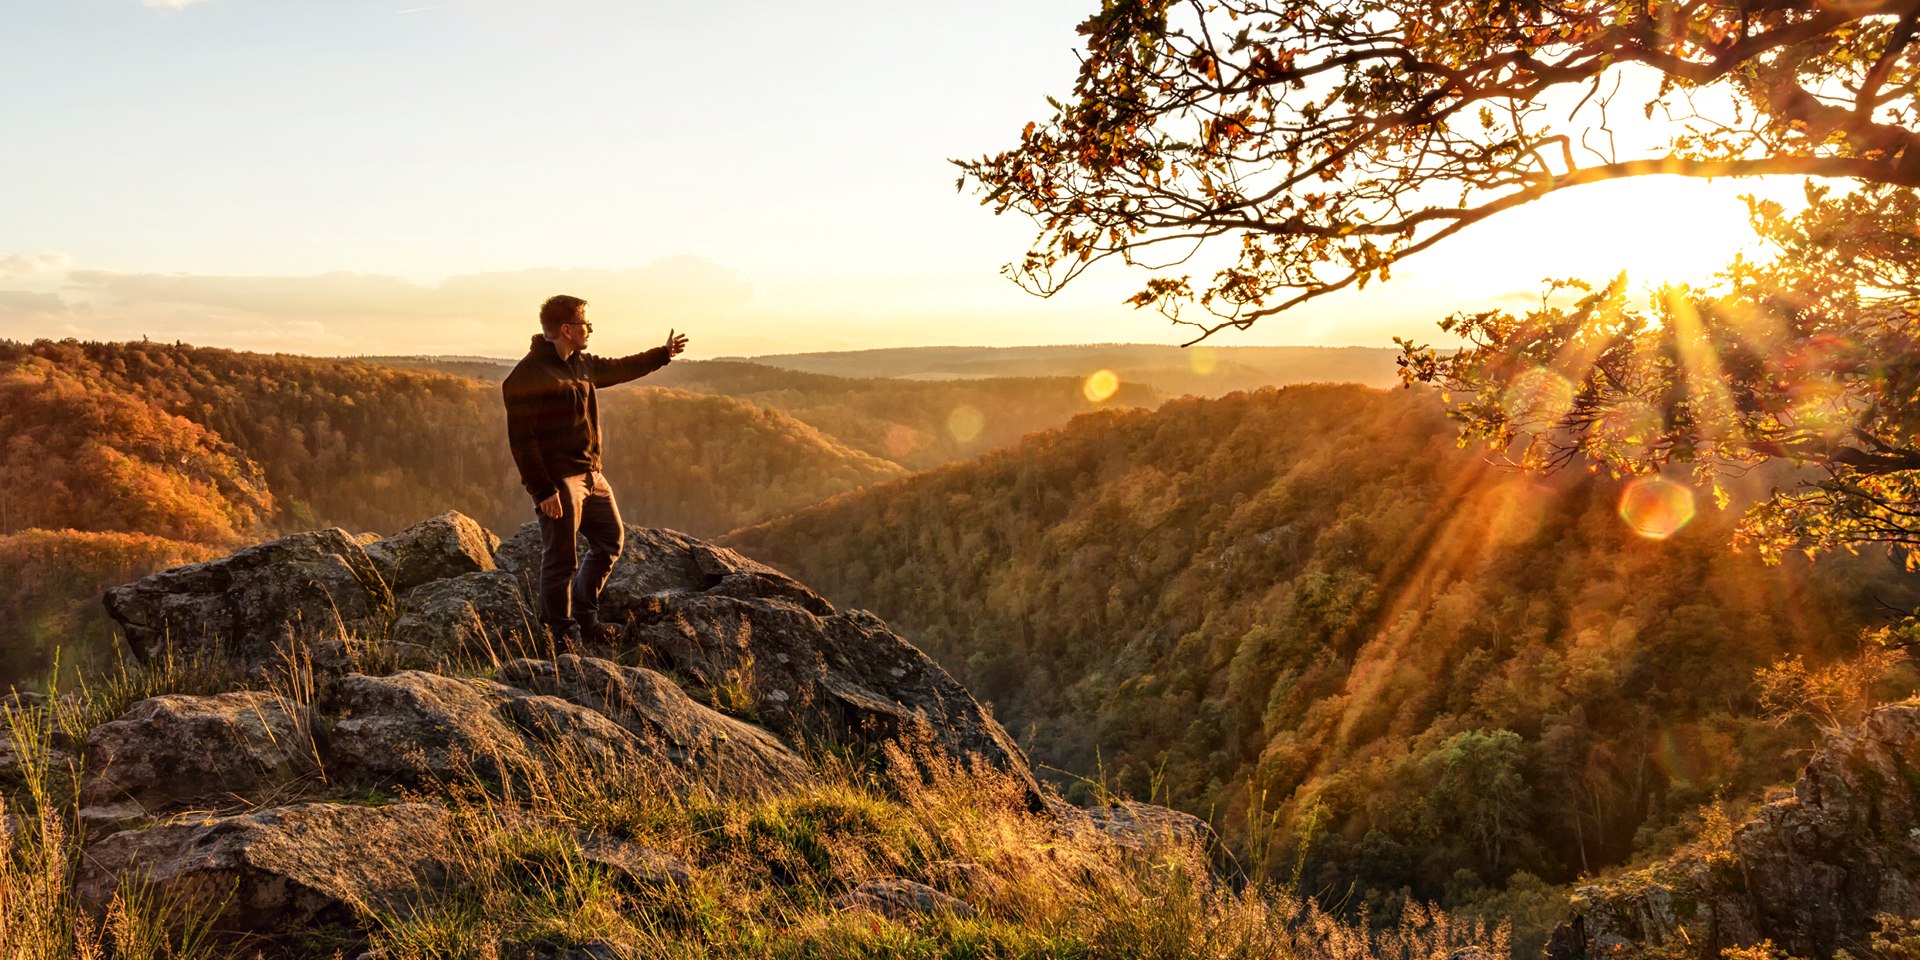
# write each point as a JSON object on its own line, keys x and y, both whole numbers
{"x": 426, "y": 200}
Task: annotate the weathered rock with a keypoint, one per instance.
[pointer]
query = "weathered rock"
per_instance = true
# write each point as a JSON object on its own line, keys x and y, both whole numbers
{"x": 23, "y": 701}
{"x": 838, "y": 678}
{"x": 337, "y": 658}
{"x": 253, "y": 603}
{"x": 449, "y": 545}
{"x": 1145, "y": 828}
{"x": 1144, "y": 831}
{"x": 167, "y": 752}
{"x": 422, "y": 729}
{"x": 475, "y": 613}
{"x": 640, "y": 867}
{"x": 1810, "y": 873}
{"x": 282, "y": 870}
{"x": 658, "y": 564}
{"x": 903, "y": 898}
{"x": 729, "y": 757}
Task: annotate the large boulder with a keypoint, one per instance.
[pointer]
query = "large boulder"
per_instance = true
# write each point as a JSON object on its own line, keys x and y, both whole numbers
{"x": 445, "y": 546}
{"x": 729, "y": 757}
{"x": 479, "y": 614}
{"x": 1810, "y": 873}
{"x": 171, "y": 751}
{"x": 418, "y": 729}
{"x": 283, "y": 870}
{"x": 836, "y": 678}
{"x": 255, "y": 603}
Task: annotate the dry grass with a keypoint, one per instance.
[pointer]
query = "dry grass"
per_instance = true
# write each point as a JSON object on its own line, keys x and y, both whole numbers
{"x": 767, "y": 873}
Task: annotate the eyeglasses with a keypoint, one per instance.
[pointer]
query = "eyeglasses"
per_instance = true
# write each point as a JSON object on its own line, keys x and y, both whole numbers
{"x": 587, "y": 327}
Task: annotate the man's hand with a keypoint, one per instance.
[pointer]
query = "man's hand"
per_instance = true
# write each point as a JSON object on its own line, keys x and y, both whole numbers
{"x": 676, "y": 342}
{"x": 551, "y": 506}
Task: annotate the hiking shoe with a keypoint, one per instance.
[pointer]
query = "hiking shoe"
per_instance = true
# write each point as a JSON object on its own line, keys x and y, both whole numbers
{"x": 600, "y": 634}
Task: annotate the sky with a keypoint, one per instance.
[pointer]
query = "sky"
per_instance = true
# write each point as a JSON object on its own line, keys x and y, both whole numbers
{"x": 345, "y": 177}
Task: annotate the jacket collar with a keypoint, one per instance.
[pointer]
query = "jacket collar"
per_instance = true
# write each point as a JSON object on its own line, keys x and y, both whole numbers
{"x": 544, "y": 349}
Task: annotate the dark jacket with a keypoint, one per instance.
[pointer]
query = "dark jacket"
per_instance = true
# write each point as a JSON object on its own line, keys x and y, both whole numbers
{"x": 553, "y": 421}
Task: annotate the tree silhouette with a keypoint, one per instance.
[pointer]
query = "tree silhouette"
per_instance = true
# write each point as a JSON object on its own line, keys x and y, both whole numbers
{"x": 1329, "y": 139}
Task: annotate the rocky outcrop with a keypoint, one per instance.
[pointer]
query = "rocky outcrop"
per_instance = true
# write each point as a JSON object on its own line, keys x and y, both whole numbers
{"x": 174, "y": 751}
{"x": 658, "y": 565}
{"x": 250, "y": 606}
{"x": 1810, "y": 873}
{"x": 300, "y": 867}
{"x": 418, "y": 675}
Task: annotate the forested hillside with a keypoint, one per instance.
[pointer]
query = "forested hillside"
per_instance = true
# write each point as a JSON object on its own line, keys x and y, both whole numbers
{"x": 915, "y": 423}
{"x": 1368, "y": 655}
{"x": 200, "y": 446}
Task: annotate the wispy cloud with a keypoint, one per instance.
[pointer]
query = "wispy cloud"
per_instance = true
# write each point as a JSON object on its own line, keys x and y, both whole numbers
{"x": 32, "y": 264}
{"x": 369, "y": 313}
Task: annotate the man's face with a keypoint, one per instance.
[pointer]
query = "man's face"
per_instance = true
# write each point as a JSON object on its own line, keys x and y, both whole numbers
{"x": 577, "y": 330}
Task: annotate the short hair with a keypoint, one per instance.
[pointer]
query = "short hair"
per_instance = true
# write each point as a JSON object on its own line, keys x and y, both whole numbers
{"x": 559, "y": 310}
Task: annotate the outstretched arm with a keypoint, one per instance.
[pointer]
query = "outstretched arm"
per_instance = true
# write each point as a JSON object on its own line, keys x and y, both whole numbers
{"x": 609, "y": 371}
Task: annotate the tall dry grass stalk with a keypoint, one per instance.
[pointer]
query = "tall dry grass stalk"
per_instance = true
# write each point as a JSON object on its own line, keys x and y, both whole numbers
{"x": 41, "y": 918}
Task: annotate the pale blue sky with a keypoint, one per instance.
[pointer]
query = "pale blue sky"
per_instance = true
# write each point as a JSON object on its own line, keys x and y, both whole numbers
{"x": 349, "y": 176}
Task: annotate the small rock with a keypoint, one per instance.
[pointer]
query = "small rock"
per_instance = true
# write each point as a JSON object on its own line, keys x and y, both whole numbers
{"x": 449, "y": 545}
{"x": 903, "y": 898}
{"x": 637, "y": 866}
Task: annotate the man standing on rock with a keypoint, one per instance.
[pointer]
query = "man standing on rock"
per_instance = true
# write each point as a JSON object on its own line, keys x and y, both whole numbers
{"x": 553, "y": 425}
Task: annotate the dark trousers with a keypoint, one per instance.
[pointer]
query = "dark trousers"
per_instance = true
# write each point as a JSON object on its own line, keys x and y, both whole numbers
{"x": 570, "y": 588}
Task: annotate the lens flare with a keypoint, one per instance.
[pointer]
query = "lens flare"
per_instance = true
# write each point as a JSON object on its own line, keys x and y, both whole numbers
{"x": 1203, "y": 360}
{"x": 1538, "y": 396}
{"x": 1656, "y": 508}
{"x": 1101, "y": 386}
{"x": 965, "y": 423}
{"x": 900, "y": 440}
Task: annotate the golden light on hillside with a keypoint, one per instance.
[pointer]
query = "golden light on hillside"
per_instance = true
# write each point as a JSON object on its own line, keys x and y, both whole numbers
{"x": 1101, "y": 385}
{"x": 1538, "y": 397}
{"x": 1203, "y": 360}
{"x": 1655, "y": 508}
{"x": 965, "y": 423}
